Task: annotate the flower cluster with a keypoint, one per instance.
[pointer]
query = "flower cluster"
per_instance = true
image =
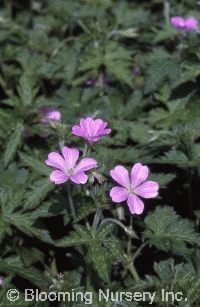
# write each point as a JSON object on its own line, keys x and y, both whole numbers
{"x": 131, "y": 187}
{"x": 184, "y": 24}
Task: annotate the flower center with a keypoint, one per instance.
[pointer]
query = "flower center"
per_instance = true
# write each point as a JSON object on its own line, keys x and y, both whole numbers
{"x": 131, "y": 190}
{"x": 70, "y": 171}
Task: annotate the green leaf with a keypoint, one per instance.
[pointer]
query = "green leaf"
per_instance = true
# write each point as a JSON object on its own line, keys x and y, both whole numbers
{"x": 86, "y": 209}
{"x": 24, "y": 222}
{"x": 98, "y": 256}
{"x": 38, "y": 193}
{"x": 160, "y": 71}
{"x": 35, "y": 164}
{"x": 13, "y": 143}
{"x": 14, "y": 264}
{"x": 169, "y": 232}
{"x": 13, "y": 177}
{"x": 27, "y": 90}
{"x": 80, "y": 236}
{"x": 162, "y": 179}
{"x": 31, "y": 255}
{"x": 5, "y": 229}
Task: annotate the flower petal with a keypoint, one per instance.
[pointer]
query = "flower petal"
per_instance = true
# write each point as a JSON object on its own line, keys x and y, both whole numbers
{"x": 178, "y": 21}
{"x": 100, "y": 126}
{"x": 84, "y": 165}
{"x": 120, "y": 175}
{"x": 71, "y": 156}
{"x": 135, "y": 204}
{"x": 58, "y": 177}
{"x": 191, "y": 23}
{"x": 56, "y": 160}
{"x": 106, "y": 131}
{"x": 147, "y": 189}
{"x": 86, "y": 125}
{"x": 54, "y": 115}
{"x": 76, "y": 130}
{"x": 79, "y": 178}
{"x": 139, "y": 174}
{"x": 118, "y": 194}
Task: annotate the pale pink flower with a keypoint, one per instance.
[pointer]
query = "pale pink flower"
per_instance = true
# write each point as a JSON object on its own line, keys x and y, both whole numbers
{"x": 132, "y": 186}
{"x": 184, "y": 24}
{"x": 50, "y": 115}
{"x": 67, "y": 167}
{"x": 1, "y": 281}
{"x": 91, "y": 129}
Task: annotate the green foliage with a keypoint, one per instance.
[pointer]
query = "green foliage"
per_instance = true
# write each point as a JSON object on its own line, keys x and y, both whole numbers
{"x": 124, "y": 62}
{"x": 13, "y": 143}
{"x": 35, "y": 164}
{"x": 168, "y": 232}
{"x": 171, "y": 277}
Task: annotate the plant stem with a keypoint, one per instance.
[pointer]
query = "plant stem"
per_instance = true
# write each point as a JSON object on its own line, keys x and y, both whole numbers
{"x": 133, "y": 272}
{"x": 190, "y": 198}
{"x": 98, "y": 215}
{"x": 166, "y": 11}
{"x": 71, "y": 204}
{"x": 85, "y": 149}
{"x": 138, "y": 251}
{"x": 131, "y": 266}
{"x": 128, "y": 230}
{"x": 9, "y": 8}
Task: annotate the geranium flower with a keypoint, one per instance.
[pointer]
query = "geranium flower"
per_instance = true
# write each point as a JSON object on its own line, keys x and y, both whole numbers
{"x": 67, "y": 167}
{"x": 184, "y": 24}
{"x": 50, "y": 114}
{"x": 1, "y": 281}
{"x": 91, "y": 129}
{"x": 133, "y": 186}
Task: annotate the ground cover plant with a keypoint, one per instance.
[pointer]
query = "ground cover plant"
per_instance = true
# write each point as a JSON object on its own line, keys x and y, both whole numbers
{"x": 100, "y": 153}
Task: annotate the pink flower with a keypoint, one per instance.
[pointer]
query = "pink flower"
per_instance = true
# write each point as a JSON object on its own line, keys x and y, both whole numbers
{"x": 67, "y": 167}
{"x": 50, "y": 114}
{"x": 91, "y": 129}
{"x": 184, "y": 24}
{"x": 1, "y": 281}
{"x": 133, "y": 186}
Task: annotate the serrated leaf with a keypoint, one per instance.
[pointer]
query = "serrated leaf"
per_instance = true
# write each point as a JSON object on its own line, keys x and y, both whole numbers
{"x": 24, "y": 222}
{"x": 5, "y": 229}
{"x": 31, "y": 255}
{"x": 13, "y": 143}
{"x": 27, "y": 90}
{"x": 15, "y": 265}
{"x": 99, "y": 258}
{"x": 86, "y": 209}
{"x": 140, "y": 132}
{"x": 168, "y": 231}
{"x": 174, "y": 157}
{"x": 79, "y": 236}
{"x": 38, "y": 193}
{"x": 162, "y": 179}
{"x": 35, "y": 164}
{"x": 13, "y": 177}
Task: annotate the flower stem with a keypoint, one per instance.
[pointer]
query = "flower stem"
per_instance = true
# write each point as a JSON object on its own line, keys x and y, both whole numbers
{"x": 133, "y": 272}
{"x": 131, "y": 266}
{"x": 167, "y": 11}
{"x": 128, "y": 230}
{"x": 138, "y": 251}
{"x": 10, "y": 8}
{"x": 71, "y": 204}
{"x": 190, "y": 198}
{"x": 85, "y": 149}
{"x": 98, "y": 215}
